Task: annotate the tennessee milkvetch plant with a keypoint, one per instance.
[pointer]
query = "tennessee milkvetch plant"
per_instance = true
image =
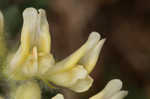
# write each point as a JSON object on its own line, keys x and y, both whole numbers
{"x": 34, "y": 60}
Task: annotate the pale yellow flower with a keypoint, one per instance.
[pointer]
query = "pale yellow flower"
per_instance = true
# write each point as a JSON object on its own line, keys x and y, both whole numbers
{"x": 34, "y": 59}
{"x": 111, "y": 91}
{"x": 73, "y": 71}
{"x": 28, "y": 90}
{"x": 58, "y": 96}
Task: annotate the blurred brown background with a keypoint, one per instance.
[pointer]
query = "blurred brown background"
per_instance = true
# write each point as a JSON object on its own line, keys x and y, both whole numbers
{"x": 125, "y": 24}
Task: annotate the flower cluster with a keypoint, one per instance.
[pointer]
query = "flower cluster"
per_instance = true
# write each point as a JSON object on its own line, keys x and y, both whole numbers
{"x": 34, "y": 59}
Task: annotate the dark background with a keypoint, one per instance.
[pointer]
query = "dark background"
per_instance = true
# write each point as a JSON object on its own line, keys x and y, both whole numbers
{"x": 125, "y": 24}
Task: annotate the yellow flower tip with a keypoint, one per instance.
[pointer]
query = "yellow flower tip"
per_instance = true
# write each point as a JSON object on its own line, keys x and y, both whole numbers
{"x": 90, "y": 59}
{"x": 43, "y": 24}
{"x": 35, "y": 30}
{"x": 28, "y": 90}
{"x": 58, "y": 96}
{"x": 112, "y": 91}
{"x": 42, "y": 16}
{"x": 93, "y": 39}
{"x": 44, "y": 42}
{"x": 29, "y": 28}
{"x": 115, "y": 84}
{"x": 30, "y": 19}
{"x": 30, "y": 15}
{"x": 94, "y": 35}
{"x": 73, "y": 59}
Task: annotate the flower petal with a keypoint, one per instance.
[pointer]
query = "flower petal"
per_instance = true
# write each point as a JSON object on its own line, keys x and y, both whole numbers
{"x": 30, "y": 66}
{"x": 29, "y": 31}
{"x": 44, "y": 39}
{"x": 111, "y": 90}
{"x": 90, "y": 59}
{"x": 27, "y": 39}
{"x": 72, "y": 79}
{"x": 74, "y": 58}
{"x": 58, "y": 96}
{"x": 115, "y": 86}
{"x": 28, "y": 90}
{"x": 45, "y": 62}
{"x": 82, "y": 85}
